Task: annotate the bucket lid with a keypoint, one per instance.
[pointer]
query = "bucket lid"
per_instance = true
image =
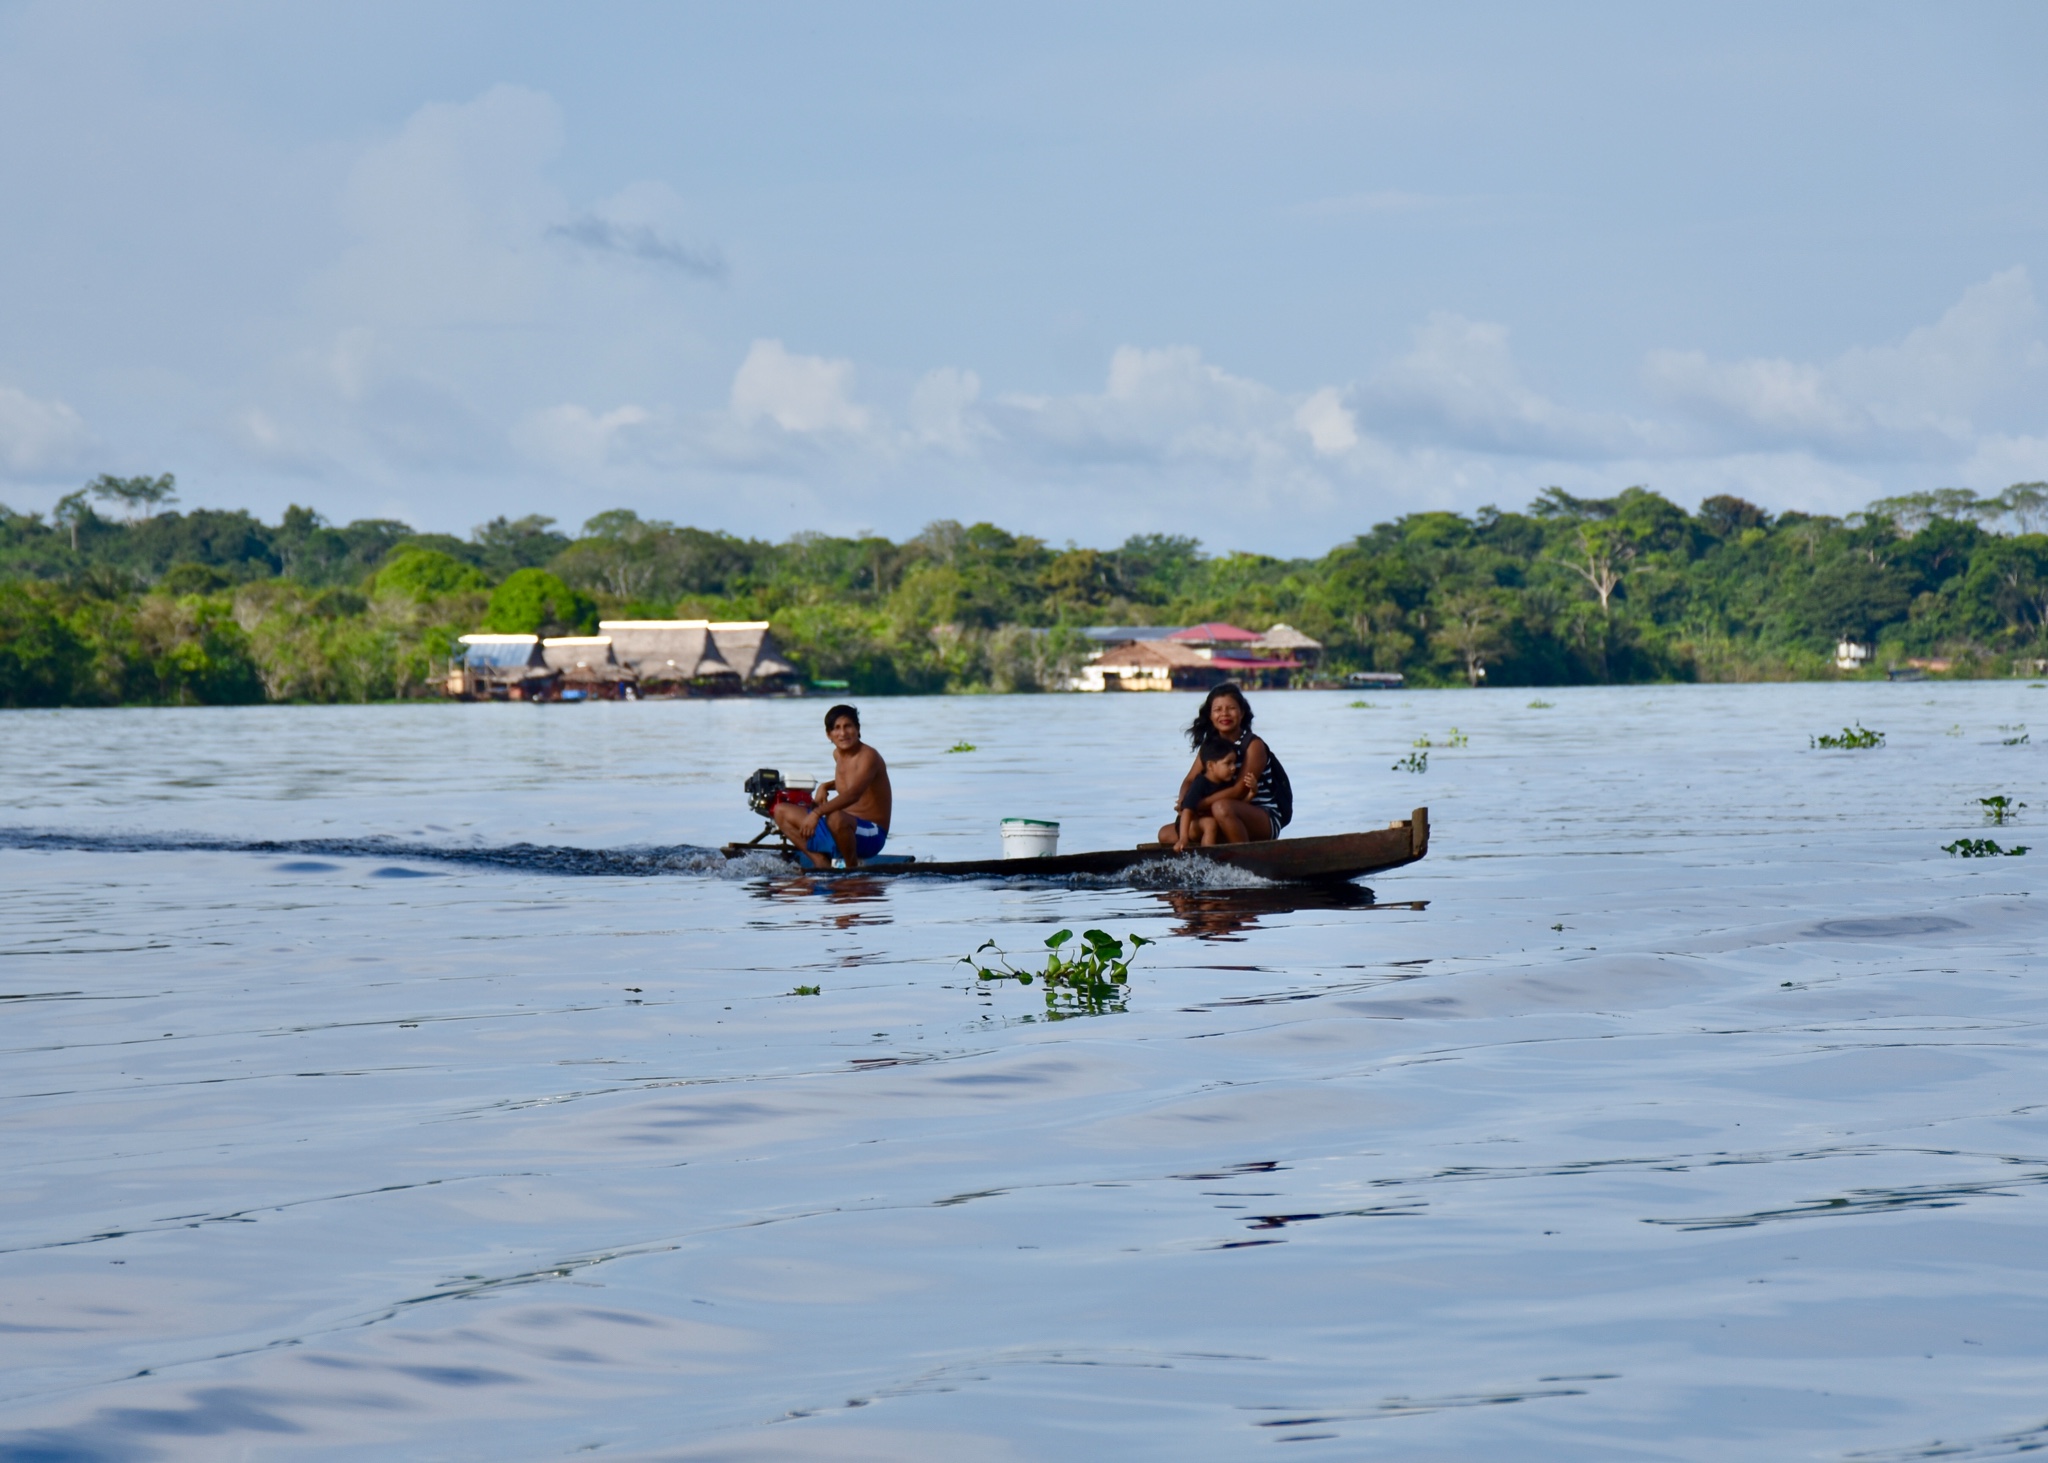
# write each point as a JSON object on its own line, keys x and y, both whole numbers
{"x": 1028, "y": 823}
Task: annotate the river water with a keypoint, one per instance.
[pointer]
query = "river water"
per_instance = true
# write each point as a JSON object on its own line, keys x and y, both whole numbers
{"x": 1699, "y": 1112}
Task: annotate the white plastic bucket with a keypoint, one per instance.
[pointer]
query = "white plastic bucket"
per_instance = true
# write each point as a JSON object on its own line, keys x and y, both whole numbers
{"x": 1030, "y": 838}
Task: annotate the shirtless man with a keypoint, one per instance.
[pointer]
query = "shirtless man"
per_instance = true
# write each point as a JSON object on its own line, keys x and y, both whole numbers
{"x": 851, "y": 818}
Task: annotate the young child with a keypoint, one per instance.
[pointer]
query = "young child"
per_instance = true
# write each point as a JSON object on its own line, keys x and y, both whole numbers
{"x": 1219, "y": 775}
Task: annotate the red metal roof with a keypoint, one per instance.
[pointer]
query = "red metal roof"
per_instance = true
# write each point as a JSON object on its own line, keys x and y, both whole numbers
{"x": 1212, "y": 633}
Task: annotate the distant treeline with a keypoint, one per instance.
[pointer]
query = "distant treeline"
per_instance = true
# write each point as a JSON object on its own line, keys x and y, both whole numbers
{"x": 163, "y": 607}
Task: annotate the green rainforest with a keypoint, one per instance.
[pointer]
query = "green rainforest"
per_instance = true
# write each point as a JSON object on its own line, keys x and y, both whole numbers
{"x": 117, "y": 598}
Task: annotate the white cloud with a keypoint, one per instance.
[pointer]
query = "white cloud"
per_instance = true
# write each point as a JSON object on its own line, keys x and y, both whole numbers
{"x": 574, "y": 439}
{"x": 1450, "y": 421}
{"x": 449, "y": 214}
{"x": 1329, "y": 423}
{"x": 2001, "y": 460}
{"x": 804, "y": 394}
{"x": 39, "y": 437}
{"x": 1460, "y": 386}
{"x": 1159, "y": 404}
{"x": 1929, "y": 395}
{"x": 1777, "y": 400}
{"x": 943, "y": 410}
{"x": 470, "y": 294}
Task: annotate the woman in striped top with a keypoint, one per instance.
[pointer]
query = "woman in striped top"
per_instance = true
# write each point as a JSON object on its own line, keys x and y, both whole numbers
{"x": 1263, "y": 800}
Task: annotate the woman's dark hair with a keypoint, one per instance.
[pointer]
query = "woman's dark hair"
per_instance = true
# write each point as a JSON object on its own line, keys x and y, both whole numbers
{"x": 1202, "y": 727}
{"x": 1215, "y": 747}
{"x": 838, "y": 711}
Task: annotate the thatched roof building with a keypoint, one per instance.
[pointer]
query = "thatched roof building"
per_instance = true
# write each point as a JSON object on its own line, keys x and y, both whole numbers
{"x": 586, "y": 665}
{"x": 706, "y": 656}
{"x": 670, "y": 655}
{"x": 1288, "y": 641}
{"x": 750, "y": 649}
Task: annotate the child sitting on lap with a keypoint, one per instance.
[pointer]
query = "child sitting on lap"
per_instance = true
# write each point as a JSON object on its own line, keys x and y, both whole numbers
{"x": 1219, "y": 776}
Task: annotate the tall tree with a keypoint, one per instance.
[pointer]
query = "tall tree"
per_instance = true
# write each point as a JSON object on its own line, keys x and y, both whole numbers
{"x": 1602, "y": 559}
{"x": 71, "y": 511}
{"x": 145, "y": 493}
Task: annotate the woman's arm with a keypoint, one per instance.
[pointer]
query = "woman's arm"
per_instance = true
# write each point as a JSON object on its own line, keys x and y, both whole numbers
{"x": 1247, "y": 784}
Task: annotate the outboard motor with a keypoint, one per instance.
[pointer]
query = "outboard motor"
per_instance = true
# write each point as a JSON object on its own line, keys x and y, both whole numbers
{"x": 766, "y": 788}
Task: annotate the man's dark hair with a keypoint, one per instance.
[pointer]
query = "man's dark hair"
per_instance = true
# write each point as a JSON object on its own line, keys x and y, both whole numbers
{"x": 1215, "y": 747}
{"x": 841, "y": 710}
{"x": 1201, "y": 726}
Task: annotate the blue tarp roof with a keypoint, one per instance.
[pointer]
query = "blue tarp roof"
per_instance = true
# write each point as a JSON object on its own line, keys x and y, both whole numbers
{"x": 502, "y": 656}
{"x": 1113, "y": 633}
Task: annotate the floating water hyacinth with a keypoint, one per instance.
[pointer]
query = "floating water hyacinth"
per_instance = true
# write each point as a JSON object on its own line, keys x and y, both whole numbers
{"x": 1540, "y": 705}
{"x": 961, "y": 747}
{"x": 1091, "y": 981}
{"x": 1981, "y": 848}
{"x": 1413, "y": 762}
{"x": 2000, "y": 809}
{"x": 1851, "y": 739}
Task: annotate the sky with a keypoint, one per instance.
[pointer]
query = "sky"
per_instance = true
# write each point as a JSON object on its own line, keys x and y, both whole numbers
{"x": 1262, "y": 274}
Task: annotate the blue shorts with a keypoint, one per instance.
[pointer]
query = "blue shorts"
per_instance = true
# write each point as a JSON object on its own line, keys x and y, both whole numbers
{"x": 867, "y": 839}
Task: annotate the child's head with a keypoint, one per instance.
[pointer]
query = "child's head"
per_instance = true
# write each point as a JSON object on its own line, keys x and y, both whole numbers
{"x": 1219, "y": 759}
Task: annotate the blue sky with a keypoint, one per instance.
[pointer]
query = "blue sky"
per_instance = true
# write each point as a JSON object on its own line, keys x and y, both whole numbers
{"x": 1264, "y": 274}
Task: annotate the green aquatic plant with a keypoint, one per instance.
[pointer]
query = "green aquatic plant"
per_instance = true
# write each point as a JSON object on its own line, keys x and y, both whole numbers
{"x": 1539, "y": 704}
{"x": 1852, "y": 739}
{"x": 805, "y": 990}
{"x": 2017, "y": 741}
{"x": 1413, "y": 762}
{"x": 1092, "y": 980}
{"x": 1423, "y": 741}
{"x": 1457, "y": 738}
{"x": 1363, "y": 706}
{"x": 2000, "y": 809}
{"x": 1981, "y": 848}
{"x": 961, "y": 747}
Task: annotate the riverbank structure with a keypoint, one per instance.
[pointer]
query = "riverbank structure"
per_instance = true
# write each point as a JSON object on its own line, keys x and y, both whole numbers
{"x": 628, "y": 660}
{"x": 500, "y": 668}
{"x": 1193, "y": 657}
{"x": 702, "y": 657}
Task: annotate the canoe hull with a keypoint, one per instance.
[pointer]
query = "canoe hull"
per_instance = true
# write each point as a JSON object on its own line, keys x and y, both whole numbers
{"x": 1332, "y": 858}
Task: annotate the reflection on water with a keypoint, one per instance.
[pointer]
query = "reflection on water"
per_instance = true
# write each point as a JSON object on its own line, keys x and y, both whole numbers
{"x": 1683, "y": 1104}
{"x": 1225, "y": 914}
{"x": 800, "y": 891}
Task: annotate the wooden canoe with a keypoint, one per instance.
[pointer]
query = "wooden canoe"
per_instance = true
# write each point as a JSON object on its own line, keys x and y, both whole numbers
{"x": 1332, "y": 858}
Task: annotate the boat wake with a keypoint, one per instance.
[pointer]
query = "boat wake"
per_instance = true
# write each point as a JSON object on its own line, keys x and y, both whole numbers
{"x": 1192, "y": 873}
{"x": 530, "y": 858}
